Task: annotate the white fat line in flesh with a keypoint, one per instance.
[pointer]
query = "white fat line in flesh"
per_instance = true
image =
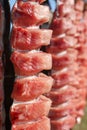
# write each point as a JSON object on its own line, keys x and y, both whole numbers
{"x": 31, "y": 77}
{"x": 61, "y": 35}
{"x": 34, "y": 51}
{"x": 61, "y": 53}
{"x": 29, "y": 122}
{"x": 25, "y": 102}
{"x": 62, "y": 118}
{"x": 33, "y": 27}
{"x": 26, "y": 77}
{"x": 26, "y": 122}
{"x": 61, "y": 89}
{"x": 30, "y": 27}
{"x": 60, "y": 71}
{"x": 61, "y": 105}
{"x": 26, "y": 51}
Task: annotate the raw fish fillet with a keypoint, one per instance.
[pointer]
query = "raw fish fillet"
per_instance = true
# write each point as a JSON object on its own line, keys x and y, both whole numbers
{"x": 65, "y": 123}
{"x": 64, "y": 59}
{"x": 28, "y": 39}
{"x": 30, "y": 63}
{"x": 69, "y": 2}
{"x": 30, "y": 111}
{"x": 28, "y": 88}
{"x": 66, "y": 93}
{"x": 59, "y": 44}
{"x": 65, "y": 9}
{"x": 30, "y": 14}
{"x": 65, "y": 77}
{"x": 61, "y": 25}
{"x": 41, "y": 124}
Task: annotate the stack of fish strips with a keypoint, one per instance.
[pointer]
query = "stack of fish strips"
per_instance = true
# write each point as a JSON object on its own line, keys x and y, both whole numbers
{"x": 69, "y": 69}
{"x": 30, "y": 108}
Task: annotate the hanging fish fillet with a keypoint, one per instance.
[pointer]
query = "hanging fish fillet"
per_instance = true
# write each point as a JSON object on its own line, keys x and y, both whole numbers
{"x": 30, "y": 107}
{"x": 29, "y": 14}
{"x": 33, "y": 87}
{"x": 29, "y": 38}
{"x": 69, "y": 90}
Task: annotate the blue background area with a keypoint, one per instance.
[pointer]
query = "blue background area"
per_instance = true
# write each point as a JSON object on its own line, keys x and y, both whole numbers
{"x": 12, "y": 3}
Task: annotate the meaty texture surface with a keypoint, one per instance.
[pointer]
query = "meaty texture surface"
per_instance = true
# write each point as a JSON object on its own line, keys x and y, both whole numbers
{"x": 68, "y": 2}
{"x": 64, "y": 59}
{"x": 30, "y": 111}
{"x": 28, "y": 39}
{"x": 65, "y": 94}
{"x": 31, "y": 63}
{"x": 65, "y": 123}
{"x": 68, "y": 47}
{"x": 42, "y": 124}
{"x": 30, "y": 108}
{"x": 59, "y": 44}
{"x": 72, "y": 107}
{"x": 28, "y": 88}
{"x": 31, "y": 13}
{"x": 65, "y": 9}
{"x": 66, "y": 76}
{"x": 59, "y": 25}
